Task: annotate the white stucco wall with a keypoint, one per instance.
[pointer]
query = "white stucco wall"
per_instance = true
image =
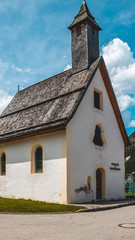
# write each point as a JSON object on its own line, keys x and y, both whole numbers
{"x": 84, "y": 157}
{"x": 19, "y": 182}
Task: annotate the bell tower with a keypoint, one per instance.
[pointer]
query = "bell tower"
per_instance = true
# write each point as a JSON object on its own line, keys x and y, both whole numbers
{"x": 85, "y": 39}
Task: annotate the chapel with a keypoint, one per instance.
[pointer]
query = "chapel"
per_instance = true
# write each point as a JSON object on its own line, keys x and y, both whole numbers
{"x": 62, "y": 139}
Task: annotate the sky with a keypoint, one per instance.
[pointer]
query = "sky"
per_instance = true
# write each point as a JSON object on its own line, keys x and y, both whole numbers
{"x": 36, "y": 44}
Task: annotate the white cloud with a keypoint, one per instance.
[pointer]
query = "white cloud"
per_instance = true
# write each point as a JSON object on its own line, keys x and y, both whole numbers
{"x": 117, "y": 53}
{"x": 25, "y": 81}
{"x": 121, "y": 66}
{"x": 8, "y": 82}
{"x": 3, "y": 68}
{"x": 5, "y": 98}
{"x": 18, "y": 69}
{"x": 67, "y": 67}
{"x": 132, "y": 123}
{"x": 125, "y": 101}
{"x": 27, "y": 70}
{"x": 126, "y": 17}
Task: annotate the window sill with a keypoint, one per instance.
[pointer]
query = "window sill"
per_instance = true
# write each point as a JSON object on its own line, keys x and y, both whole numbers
{"x": 98, "y": 110}
{"x": 98, "y": 147}
{"x": 37, "y": 174}
{"x": 3, "y": 176}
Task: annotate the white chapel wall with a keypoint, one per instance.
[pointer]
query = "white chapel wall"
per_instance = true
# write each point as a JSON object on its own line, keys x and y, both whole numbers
{"x": 84, "y": 157}
{"x": 47, "y": 186}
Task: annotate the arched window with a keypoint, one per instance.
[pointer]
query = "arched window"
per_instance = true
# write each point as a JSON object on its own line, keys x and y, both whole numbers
{"x": 39, "y": 160}
{"x": 98, "y": 137}
{"x": 3, "y": 165}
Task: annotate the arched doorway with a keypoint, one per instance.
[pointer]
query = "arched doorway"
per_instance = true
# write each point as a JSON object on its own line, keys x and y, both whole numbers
{"x": 100, "y": 184}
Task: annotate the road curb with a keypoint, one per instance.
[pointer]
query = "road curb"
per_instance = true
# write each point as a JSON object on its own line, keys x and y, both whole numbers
{"x": 106, "y": 207}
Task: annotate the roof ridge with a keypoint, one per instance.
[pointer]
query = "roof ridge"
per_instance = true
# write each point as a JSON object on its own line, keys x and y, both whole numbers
{"x": 40, "y": 103}
{"x": 45, "y": 79}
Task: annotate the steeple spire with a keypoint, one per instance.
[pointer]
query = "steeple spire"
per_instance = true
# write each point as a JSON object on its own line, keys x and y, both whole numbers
{"x": 83, "y": 15}
{"x": 85, "y": 42}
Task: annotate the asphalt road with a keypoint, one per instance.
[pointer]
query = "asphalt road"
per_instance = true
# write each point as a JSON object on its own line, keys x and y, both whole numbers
{"x": 78, "y": 226}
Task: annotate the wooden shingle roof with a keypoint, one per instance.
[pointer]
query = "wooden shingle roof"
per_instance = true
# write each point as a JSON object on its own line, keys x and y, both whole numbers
{"x": 45, "y": 105}
{"x": 50, "y": 104}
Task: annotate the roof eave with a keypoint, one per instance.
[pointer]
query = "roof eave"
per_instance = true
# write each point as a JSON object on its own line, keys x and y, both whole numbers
{"x": 33, "y": 133}
{"x": 113, "y": 101}
{"x": 86, "y": 87}
{"x": 112, "y": 97}
{"x": 87, "y": 19}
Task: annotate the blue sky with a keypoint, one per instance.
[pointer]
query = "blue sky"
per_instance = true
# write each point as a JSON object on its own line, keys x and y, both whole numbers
{"x": 35, "y": 44}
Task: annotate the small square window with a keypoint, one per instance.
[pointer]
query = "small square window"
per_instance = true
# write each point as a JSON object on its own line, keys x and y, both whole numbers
{"x": 98, "y": 100}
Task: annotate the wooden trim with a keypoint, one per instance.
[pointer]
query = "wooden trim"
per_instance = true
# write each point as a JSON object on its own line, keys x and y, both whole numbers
{"x": 113, "y": 101}
{"x": 28, "y": 135}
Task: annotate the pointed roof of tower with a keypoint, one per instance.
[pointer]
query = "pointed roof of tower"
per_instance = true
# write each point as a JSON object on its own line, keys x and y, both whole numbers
{"x": 84, "y": 15}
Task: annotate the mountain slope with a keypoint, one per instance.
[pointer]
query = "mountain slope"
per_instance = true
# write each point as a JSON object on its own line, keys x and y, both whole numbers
{"x": 130, "y": 155}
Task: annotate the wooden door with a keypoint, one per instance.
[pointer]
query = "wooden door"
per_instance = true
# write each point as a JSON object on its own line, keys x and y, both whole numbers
{"x": 98, "y": 184}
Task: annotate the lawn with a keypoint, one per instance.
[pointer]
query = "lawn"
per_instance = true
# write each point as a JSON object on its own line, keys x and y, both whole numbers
{"x": 29, "y": 206}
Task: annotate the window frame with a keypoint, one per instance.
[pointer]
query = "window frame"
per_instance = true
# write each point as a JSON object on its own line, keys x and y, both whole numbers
{"x": 98, "y": 139}
{"x": 102, "y": 136}
{"x": 33, "y": 170}
{"x": 38, "y": 161}
{"x": 100, "y": 94}
{"x": 5, "y": 165}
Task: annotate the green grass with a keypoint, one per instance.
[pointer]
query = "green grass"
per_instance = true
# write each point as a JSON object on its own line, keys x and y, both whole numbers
{"x": 29, "y": 206}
